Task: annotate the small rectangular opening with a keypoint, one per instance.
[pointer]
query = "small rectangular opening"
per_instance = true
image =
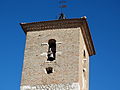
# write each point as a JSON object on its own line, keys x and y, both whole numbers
{"x": 49, "y": 70}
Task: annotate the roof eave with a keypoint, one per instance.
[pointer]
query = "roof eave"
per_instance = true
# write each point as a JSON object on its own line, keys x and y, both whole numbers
{"x": 77, "y": 22}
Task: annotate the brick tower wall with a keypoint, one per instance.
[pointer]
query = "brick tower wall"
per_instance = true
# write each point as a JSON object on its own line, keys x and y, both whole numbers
{"x": 67, "y": 67}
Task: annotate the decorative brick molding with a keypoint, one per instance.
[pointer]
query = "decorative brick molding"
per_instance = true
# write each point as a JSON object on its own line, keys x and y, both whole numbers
{"x": 68, "y": 86}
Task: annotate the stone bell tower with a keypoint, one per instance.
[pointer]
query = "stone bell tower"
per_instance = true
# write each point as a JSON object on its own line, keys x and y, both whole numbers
{"x": 57, "y": 55}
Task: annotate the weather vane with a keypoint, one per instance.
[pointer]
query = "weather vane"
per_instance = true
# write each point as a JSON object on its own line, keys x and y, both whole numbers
{"x": 62, "y": 5}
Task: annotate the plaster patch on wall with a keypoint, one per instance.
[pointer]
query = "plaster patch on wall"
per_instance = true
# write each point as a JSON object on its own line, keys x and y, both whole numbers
{"x": 68, "y": 86}
{"x": 45, "y": 53}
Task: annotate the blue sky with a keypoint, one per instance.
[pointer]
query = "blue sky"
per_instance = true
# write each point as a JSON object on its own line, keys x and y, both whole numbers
{"x": 104, "y": 20}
